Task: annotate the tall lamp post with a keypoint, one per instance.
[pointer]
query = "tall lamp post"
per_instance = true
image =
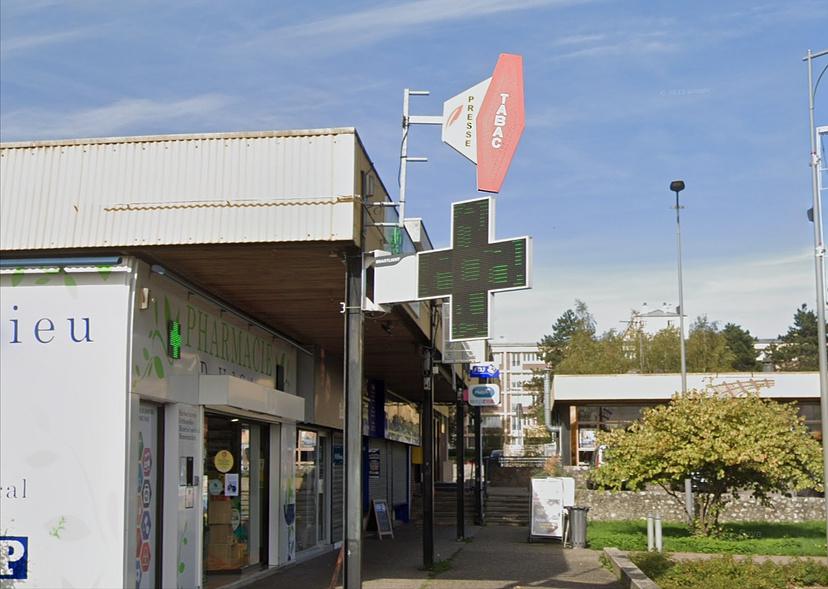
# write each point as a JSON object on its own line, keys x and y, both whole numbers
{"x": 819, "y": 255}
{"x": 677, "y": 186}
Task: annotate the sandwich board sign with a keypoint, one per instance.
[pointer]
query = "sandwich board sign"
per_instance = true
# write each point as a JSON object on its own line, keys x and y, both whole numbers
{"x": 475, "y": 266}
{"x": 485, "y": 122}
{"x": 381, "y": 517}
{"x": 550, "y": 496}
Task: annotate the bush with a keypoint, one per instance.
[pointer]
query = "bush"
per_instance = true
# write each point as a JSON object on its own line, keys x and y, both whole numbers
{"x": 728, "y": 573}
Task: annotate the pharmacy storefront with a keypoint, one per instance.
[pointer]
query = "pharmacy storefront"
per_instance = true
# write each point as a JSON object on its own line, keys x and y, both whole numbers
{"x": 142, "y": 423}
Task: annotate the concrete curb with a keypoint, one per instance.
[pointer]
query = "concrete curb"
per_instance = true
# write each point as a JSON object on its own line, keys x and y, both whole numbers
{"x": 630, "y": 575}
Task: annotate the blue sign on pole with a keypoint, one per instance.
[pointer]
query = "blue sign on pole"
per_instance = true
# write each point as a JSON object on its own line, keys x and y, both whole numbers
{"x": 485, "y": 370}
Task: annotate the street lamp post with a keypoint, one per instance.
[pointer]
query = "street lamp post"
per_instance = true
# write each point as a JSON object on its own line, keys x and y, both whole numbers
{"x": 677, "y": 186}
{"x": 819, "y": 255}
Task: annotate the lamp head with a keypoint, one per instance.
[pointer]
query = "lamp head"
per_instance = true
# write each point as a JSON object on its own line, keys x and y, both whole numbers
{"x": 677, "y": 185}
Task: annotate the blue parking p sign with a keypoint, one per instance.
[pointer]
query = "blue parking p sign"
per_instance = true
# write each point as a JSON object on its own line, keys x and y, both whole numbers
{"x": 14, "y": 557}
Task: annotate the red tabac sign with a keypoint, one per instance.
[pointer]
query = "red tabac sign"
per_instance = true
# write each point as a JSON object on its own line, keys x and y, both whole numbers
{"x": 500, "y": 122}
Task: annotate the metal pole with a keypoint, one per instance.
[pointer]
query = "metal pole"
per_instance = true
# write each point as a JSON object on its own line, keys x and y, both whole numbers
{"x": 460, "y": 449}
{"x": 478, "y": 468}
{"x": 819, "y": 254}
{"x": 353, "y": 421}
{"x": 689, "y": 506}
{"x": 681, "y": 300}
{"x": 428, "y": 448}
{"x": 404, "y": 155}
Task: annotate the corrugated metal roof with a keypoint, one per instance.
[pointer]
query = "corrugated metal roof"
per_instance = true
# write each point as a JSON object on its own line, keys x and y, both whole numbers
{"x": 178, "y": 189}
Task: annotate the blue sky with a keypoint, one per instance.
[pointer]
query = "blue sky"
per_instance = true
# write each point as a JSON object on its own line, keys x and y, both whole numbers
{"x": 621, "y": 98}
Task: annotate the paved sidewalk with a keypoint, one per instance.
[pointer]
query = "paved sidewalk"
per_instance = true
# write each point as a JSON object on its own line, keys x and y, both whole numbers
{"x": 496, "y": 558}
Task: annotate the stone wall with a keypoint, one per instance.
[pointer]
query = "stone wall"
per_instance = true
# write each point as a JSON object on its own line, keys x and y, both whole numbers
{"x": 626, "y": 505}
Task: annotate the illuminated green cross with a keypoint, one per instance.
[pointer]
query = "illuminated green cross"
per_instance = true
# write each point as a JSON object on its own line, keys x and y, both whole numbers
{"x": 472, "y": 268}
{"x": 174, "y": 339}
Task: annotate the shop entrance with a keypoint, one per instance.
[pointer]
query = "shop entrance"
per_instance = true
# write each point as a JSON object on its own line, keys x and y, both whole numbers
{"x": 235, "y": 493}
{"x": 312, "y": 506}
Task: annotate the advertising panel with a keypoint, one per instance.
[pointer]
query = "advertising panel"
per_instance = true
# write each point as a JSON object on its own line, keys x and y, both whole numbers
{"x": 63, "y": 416}
{"x": 549, "y": 498}
{"x": 484, "y": 395}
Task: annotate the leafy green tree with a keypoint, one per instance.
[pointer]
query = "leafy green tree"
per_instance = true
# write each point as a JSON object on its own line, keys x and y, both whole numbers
{"x": 707, "y": 349}
{"x": 742, "y": 345}
{"x": 587, "y": 354}
{"x": 724, "y": 443}
{"x": 662, "y": 352}
{"x": 797, "y": 349}
{"x": 553, "y": 347}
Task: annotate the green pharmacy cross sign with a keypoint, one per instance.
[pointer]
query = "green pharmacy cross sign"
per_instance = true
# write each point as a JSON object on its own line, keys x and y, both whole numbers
{"x": 474, "y": 267}
{"x": 174, "y": 339}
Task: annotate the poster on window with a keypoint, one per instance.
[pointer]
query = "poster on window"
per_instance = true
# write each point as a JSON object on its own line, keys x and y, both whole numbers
{"x": 374, "y": 462}
{"x": 145, "y": 465}
{"x": 586, "y": 438}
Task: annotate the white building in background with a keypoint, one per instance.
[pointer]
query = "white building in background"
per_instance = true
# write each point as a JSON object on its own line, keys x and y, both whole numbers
{"x": 652, "y": 319}
{"x": 516, "y": 361}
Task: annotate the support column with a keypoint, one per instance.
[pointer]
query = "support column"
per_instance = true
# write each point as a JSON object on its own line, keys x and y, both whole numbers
{"x": 353, "y": 421}
{"x": 428, "y": 447}
{"x": 460, "y": 450}
{"x": 478, "y": 468}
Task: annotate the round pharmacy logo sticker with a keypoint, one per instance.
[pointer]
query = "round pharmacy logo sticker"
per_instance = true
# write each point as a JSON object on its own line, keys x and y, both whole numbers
{"x": 223, "y": 460}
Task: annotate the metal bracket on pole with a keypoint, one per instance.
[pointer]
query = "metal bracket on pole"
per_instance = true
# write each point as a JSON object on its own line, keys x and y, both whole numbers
{"x": 425, "y": 120}
{"x": 407, "y": 121}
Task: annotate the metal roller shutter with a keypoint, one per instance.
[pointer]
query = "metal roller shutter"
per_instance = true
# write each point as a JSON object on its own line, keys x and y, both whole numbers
{"x": 399, "y": 469}
{"x": 378, "y": 487}
{"x": 337, "y": 492}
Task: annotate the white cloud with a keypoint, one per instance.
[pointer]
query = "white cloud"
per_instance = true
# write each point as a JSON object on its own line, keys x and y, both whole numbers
{"x": 385, "y": 21}
{"x": 18, "y": 43}
{"x": 759, "y": 294}
{"x": 120, "y": 116}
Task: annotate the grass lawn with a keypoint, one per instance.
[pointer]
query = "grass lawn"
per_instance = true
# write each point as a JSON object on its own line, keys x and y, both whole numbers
{"x": 789, "y": 539}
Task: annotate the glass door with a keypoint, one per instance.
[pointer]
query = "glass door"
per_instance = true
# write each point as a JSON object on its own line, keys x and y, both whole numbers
{"x": 235, "y": 493}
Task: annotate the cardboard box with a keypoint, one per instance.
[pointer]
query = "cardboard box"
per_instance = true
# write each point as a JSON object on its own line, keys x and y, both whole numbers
{"x": 221, "y": 534}
{"x": 225, "y": 556}
{"x": 219, "y": 511}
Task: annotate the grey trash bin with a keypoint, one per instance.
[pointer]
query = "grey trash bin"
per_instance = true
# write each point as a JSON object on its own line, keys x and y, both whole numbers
{"x": 578, "y": 526}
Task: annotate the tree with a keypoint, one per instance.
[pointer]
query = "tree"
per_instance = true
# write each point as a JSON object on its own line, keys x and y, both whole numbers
{"x": 707, "y": 349}
{"x": 742, "y": 345}
{"x": 724, "y": 443}
{"x": 553, "y": 347}
{"x": 662, "y": 351}
{"x": 587, "y": 354}
{"x": 797, "y": 350}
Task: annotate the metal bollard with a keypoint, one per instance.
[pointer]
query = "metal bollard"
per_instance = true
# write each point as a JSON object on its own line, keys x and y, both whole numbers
{"x": 658, "y": 545}
{"x": 650, "y": 533}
